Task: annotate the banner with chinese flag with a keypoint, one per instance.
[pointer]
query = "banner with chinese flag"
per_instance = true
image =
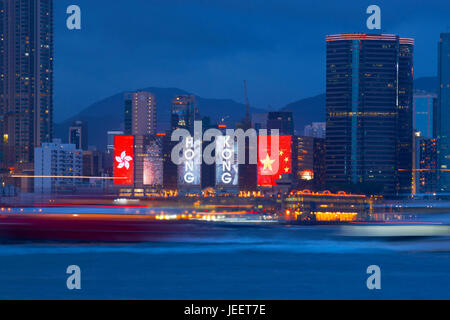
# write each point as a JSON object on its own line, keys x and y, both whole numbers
{"x": 273, "y": 160}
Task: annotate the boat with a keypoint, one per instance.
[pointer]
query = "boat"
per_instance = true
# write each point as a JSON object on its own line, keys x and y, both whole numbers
{"x": 95, "y": 227}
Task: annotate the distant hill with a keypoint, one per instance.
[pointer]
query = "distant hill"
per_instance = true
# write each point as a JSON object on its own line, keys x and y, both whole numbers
{"x": 108, "y": 113}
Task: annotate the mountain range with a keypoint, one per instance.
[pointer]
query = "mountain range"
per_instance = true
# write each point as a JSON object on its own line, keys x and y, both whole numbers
{"x": 108, "y": 114}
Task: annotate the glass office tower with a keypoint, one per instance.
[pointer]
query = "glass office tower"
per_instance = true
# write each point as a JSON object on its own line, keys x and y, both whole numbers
{"x": 424, "y": 113}
{"x": 443, "y": 113}
{"x": 281, "y": 120}
{"x": 184, "y": 112}
{"x": 369, "y": 112}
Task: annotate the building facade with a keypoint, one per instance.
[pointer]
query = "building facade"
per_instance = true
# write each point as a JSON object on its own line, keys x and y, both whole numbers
{"x": 92, "y": 163}
{"x": 316, "y": 130}
{"x": 110, "y": 138}
{"x": 308, "y": 162}
{"x": 26, "y": 79}
{"x": 283, "y": 121}
{"x": 405, "y": 129}
{"x": 428, "y": 165}
{"x": 369, "y": 111}
{"x": 259, "y": 121}
{"x": 78, "y": 134}
{"x": 319, "y": 152}
{"x": 140, "y": 160}
{"x": 54, "y": 165}
{"x": 170, "y": 171}
{"x": 424, "y": 113}
{"x": 140, "y": 113}
{"x": 443, "y": 112}
{"x": 184, "y": 112}
{"x": 148, "y": 161}
{"x": 303, "y": 161}
{"x": 108, "y": 156}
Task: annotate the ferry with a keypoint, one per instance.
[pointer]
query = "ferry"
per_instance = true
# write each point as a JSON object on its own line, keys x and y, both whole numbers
{"x": 118, "y": 227}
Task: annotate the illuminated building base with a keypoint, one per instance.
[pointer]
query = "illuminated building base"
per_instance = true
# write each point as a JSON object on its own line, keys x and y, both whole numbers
{"x": 327, "y": 207}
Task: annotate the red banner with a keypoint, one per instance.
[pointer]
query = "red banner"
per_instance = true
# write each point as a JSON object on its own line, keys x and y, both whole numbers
{"x": 273, "y": 160}
{"x": 123, "y": 160}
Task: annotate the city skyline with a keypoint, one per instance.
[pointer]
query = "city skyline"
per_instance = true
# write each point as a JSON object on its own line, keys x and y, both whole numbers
{"x": 270, "y": 62}
{"x": 156, "y": 192}
{"x": 378, "y": 101}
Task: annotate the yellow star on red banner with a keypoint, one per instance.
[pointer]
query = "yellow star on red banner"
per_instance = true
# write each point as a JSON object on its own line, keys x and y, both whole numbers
{"x": 267, "y": 162}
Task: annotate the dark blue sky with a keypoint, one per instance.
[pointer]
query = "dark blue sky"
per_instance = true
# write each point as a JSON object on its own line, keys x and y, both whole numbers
{"x": 209, "y": 47}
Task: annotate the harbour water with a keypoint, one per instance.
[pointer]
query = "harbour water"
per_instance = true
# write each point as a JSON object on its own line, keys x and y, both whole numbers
{"x": 232, "y": 262}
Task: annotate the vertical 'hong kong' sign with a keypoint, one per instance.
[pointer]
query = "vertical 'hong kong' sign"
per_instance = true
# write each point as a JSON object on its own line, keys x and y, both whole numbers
{"x": 227, "y": 167}
{"x": 123, "y": 160}
{"x": 274, "y": 160}
{"x": 189, "y": 172}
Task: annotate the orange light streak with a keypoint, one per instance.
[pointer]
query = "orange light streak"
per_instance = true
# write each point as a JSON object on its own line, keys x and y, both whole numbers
{"x": 68, "y": 177}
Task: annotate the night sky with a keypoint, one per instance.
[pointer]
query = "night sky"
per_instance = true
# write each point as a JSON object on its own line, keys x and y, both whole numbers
{"x": 209, "y": 47}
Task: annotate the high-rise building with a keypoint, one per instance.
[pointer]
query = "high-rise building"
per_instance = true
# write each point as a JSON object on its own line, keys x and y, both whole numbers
{"x": 108, "y": 158}
{"x": 138, "y": 164}
{"x": 405, "y": 129}
{"x": 78, "y": 135}
{"x": 303, "y": 161}
{"x": 208, "y": 171}
{"x": 369, "y": 111}
{"x": 259, "y": 121}
{"x": 416, "y": 162}
{"x": 170, "y": 171}
{"x": 248, "y": 172}
{"x": 424, "y": 109}
{"x": 428, "y": 166}
{"x": 110, "y": 138}
{"x": 319, "y": 153}
{"x": 148, "y": 157}
{"x": 184, "y": 112}
{"x": 55, "y": 164}
{"x": 282, "y": 120}
{"x": 26, "y": 79}
{"x": 443, "y": 113}
{"x": 308, "y": 162}
{"x": 316, "y": 130}
{"x": 424, "y": 105}
{"x": 226, "y": 167}
{"x": 92, "y": 163}
{"x": 140, "y": 113}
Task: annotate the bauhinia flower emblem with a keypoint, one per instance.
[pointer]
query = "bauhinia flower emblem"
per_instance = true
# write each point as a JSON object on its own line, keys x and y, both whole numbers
{"x": 123, "y": 161}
